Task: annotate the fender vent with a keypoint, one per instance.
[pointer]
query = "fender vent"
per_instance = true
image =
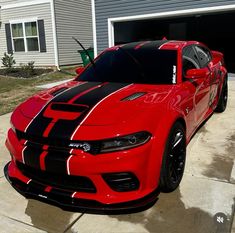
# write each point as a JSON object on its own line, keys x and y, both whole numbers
{"x": 55, "y": 93}
{"x": 133, "y": 96}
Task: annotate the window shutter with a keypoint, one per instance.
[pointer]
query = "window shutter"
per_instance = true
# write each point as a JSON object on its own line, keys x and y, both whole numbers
{"x": 42, "y": 37}
{"x": 8, "y": 38}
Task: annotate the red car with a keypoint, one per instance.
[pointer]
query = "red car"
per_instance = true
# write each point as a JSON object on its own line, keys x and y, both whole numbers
{"x": 110, "y": 140}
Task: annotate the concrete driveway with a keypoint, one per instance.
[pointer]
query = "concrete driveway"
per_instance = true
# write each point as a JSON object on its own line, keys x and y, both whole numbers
{"x": 207, "y": 189}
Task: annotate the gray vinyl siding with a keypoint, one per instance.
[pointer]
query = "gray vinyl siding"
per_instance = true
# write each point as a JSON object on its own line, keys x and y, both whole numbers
{"x": 73, "y": 18}
{"x": 42, "y": 11}
{"x": 4, "y": 2}
{"x": 119, "y": 8}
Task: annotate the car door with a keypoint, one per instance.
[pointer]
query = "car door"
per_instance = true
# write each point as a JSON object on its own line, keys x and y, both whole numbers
{"x": 202, "y": 95}
{"x": 214, "y": 68}
{"x": 190, "y": 87}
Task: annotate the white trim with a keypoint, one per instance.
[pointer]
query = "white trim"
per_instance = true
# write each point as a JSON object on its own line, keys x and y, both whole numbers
{"x": 54, "y": 35}
{"x": 94, "y": 27}
{"x": 111, "y": 32}
{"x": 23, "y": 20}
{"x": 71, "y": 138}
{"x": 22, "y": 4}
{"x": 24, "y": 37}
{"x": 111, "y": 21}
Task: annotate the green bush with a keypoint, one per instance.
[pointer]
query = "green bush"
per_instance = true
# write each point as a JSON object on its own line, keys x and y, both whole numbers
{"x": 28, "y": 70}
{"x": 8, "y": 60}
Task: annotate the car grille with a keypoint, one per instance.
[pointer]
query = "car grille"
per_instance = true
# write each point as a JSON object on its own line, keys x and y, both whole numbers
{"x": 56, "y": 144}
{"x": 72, "y": 183}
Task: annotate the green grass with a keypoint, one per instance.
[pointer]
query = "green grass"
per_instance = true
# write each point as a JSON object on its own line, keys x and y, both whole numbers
{"x": 13, "y": 91}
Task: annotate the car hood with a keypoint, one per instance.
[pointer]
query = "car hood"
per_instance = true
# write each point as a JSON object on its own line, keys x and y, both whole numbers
{"x": 96, "y": 104}
{"x": 106, "y": 109}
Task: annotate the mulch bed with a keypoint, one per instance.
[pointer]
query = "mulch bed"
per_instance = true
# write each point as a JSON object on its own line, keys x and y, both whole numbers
{"x": 24, "y": 73}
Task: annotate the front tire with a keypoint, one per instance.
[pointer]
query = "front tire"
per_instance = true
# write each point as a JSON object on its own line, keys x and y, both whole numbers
{"x": 222, "y": 103}
{"x": 173, "y": 162}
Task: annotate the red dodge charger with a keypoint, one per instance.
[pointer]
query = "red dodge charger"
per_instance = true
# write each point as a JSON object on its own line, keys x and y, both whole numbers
{"x": 110, "y": 140}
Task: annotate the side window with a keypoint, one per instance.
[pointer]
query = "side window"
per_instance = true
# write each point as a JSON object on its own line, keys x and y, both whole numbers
{"x": 204, "y": 55}
{"x": 190, "y": 59}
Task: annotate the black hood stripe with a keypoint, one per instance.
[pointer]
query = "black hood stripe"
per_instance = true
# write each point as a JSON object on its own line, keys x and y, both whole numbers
{"x": 56, "y": 161}
{"x": 67, "y": 127}
{"x": 39, "y": 124}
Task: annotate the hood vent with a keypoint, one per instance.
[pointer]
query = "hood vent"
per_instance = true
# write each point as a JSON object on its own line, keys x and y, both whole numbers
{"x": 134, "y": 96}
{"x": 55, "y": 93}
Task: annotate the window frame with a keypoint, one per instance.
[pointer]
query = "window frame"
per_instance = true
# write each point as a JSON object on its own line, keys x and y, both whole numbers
{"x": 23, "y": 22}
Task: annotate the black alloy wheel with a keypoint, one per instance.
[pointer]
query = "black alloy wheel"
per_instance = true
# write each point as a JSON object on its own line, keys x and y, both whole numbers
{"x": 173, "y": 162}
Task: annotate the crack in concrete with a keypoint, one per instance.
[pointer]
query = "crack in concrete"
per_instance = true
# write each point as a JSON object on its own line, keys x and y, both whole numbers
{"x": 72, "y": 223}
{"x": 19, "y": 221}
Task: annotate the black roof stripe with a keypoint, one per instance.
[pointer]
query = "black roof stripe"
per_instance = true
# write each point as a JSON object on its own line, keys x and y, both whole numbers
{"x": 148, "y": 45}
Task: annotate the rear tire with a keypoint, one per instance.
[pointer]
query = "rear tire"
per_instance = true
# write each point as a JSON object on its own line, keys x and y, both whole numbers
{"x": 222, "y": 103}
{"x": 173, "y": 161}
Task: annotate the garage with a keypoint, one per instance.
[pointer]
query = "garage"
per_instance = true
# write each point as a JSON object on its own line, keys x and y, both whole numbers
{"x": 215, "y": 30}
{"x": 208, "y": 21}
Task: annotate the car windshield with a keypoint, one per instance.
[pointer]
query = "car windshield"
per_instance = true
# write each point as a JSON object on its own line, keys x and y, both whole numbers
{"x": 145, "y": 66}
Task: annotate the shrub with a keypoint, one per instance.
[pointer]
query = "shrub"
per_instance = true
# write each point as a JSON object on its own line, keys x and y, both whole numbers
{"x": 28, "y": 70}
{"x": 8, "y": 60}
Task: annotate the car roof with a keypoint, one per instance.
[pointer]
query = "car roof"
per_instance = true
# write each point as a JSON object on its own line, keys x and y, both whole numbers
{"x": 156, "y": 44}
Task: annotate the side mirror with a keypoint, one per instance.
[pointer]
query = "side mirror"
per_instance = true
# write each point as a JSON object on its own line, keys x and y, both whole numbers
{"x": 197, "y": 73}
{"x": 79, "y": 70}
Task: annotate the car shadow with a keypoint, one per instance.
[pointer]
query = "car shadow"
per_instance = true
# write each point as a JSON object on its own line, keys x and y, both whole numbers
{"x": 171, "y": 215}
{"x": 49, "y": 218}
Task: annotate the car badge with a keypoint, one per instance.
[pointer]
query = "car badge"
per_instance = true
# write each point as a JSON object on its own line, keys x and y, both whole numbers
{"x": 84, "y": 146}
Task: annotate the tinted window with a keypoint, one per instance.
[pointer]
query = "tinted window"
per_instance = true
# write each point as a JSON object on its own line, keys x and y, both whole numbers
{"x": 203, "y": 55}
{"x": 149, "y": 66}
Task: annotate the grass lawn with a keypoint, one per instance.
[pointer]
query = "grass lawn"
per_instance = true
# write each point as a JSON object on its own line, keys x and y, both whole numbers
{"x": 15, "y": 90}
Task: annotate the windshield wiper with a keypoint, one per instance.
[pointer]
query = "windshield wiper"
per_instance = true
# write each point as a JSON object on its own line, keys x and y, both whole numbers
{"x": 91, "y": 60}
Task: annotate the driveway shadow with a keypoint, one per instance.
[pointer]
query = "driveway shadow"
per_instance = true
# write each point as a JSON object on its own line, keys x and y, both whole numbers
{"x": 49, "y": 218}
{"x": 170, "y": 215}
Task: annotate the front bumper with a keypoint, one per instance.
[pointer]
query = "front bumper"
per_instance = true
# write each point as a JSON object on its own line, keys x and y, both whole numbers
{"x": 66, "y": 201}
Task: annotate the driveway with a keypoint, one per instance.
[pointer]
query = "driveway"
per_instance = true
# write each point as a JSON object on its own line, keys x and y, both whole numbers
{"x": 204, "y": 202}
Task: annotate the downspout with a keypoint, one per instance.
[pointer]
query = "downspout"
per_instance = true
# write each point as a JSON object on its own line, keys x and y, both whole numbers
{"x": 53, "y": 19}
{"x": 94, "y": 27}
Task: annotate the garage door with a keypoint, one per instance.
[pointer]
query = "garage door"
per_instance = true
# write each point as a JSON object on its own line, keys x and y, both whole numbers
{"x": 215, "y": 30}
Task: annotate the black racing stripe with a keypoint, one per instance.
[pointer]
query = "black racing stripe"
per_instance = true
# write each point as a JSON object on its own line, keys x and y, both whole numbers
{"x": 56, "y": 161}
{"x": 32, "y": 156}
{"x": 154, "y": 44}
{"x": 131, "y": 45}
{"x": 40, "y": 123}
{"x": 93, "y": 97}
{"x": 38, "y": 126}
{"x": 68, "y": 95}
{"x": 66, "y": 127}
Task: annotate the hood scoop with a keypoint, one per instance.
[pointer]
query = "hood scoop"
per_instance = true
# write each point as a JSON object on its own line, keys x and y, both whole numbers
{"x": 134, "y": 96}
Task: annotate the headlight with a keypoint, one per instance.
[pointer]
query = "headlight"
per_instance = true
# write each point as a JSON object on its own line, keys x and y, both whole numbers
{"x": 124, "y": 143}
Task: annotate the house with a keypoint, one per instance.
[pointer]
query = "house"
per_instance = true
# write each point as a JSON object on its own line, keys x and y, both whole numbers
{"x": 42, "y": 30}
{"x": 208, "y": 21}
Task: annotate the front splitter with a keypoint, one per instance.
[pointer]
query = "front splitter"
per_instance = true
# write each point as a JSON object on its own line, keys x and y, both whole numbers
{"x": 68, "y": 203}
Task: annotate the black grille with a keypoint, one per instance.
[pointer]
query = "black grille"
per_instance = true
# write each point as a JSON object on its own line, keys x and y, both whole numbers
{"x": 121, "y": 182}
{"x": 66, "y": 182}
{"x": 56, "y": 144}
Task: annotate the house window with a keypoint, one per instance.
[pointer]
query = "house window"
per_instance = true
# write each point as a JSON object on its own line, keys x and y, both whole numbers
{"x": 25, "y": 36}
